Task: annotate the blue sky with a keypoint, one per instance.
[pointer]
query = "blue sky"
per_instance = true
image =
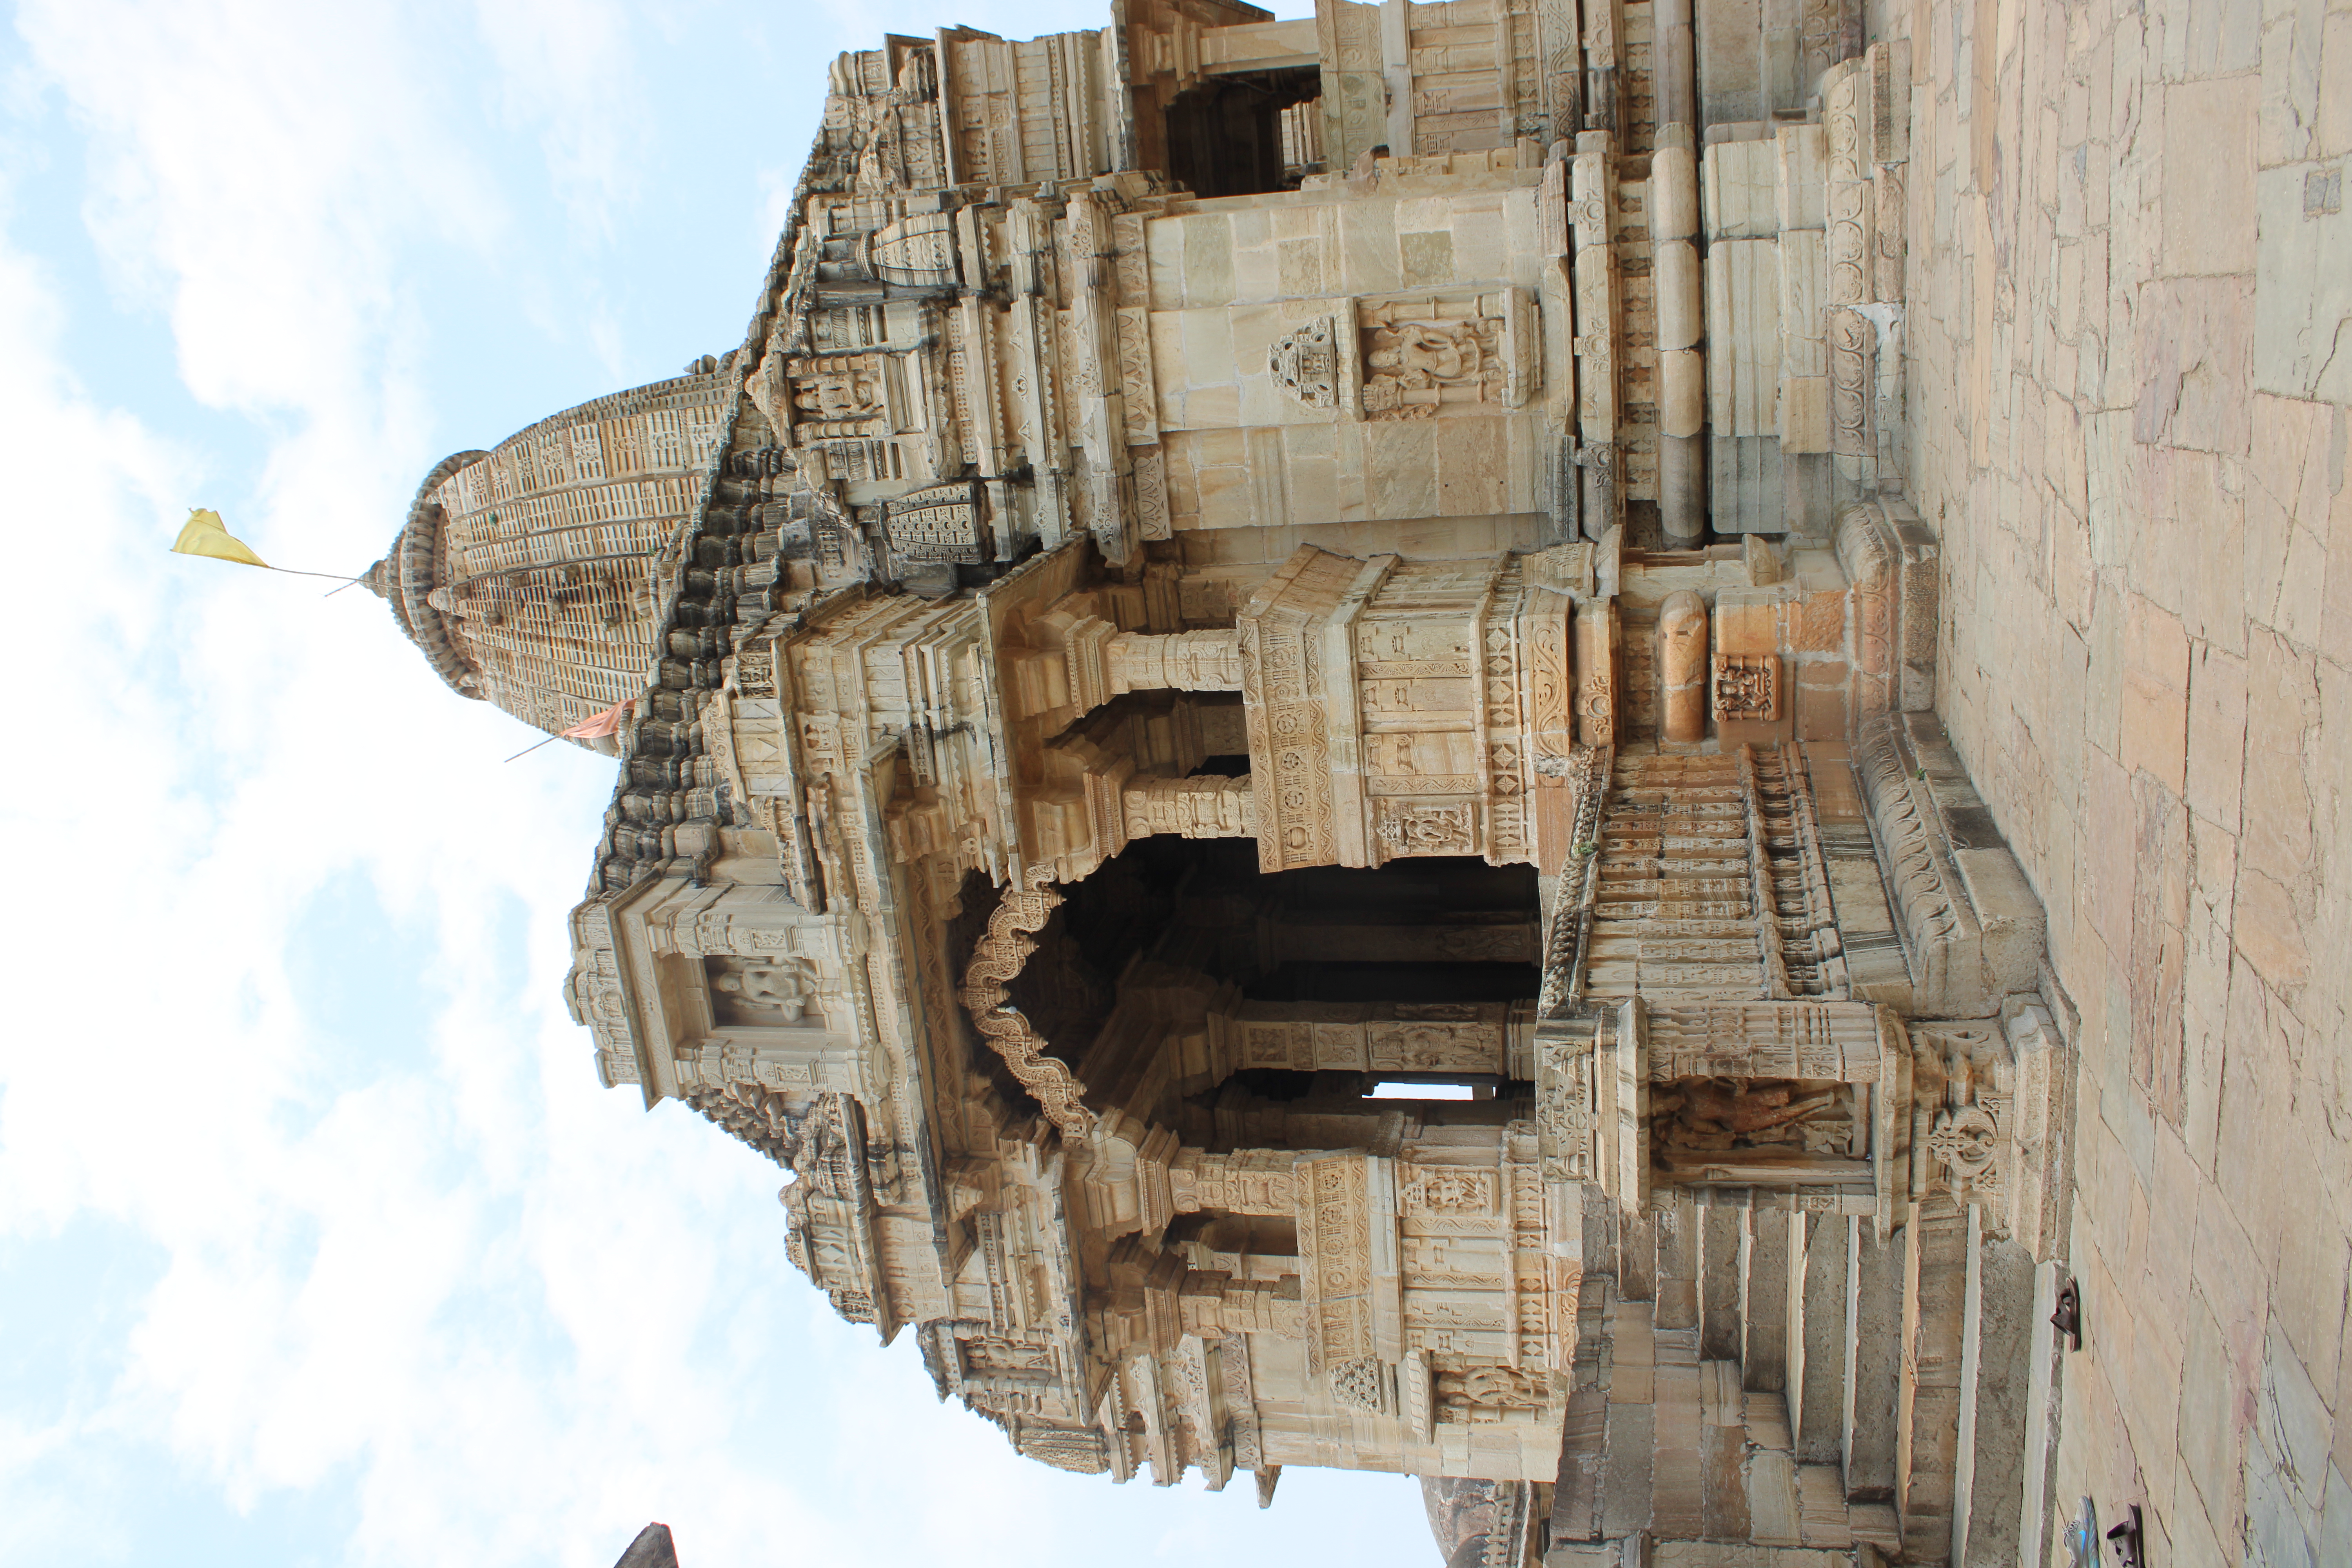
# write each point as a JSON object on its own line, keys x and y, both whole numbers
{"x": 318, "y": 1242}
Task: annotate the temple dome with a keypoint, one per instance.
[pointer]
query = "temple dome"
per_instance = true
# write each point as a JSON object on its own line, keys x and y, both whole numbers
{"x": 532, "y": 574}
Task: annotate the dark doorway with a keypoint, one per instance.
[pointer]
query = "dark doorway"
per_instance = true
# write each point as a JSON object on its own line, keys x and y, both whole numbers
{"x": 1224, "y": 136}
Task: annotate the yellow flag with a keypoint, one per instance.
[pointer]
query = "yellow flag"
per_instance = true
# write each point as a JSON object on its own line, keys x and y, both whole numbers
{"x": 203, "y": 535}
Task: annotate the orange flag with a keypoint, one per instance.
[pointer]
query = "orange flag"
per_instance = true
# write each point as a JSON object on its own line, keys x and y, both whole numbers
{"x": 595, "y": 728}
{"x": 608, "y": 722}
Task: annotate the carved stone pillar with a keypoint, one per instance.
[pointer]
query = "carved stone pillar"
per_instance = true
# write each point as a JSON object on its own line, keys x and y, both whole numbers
{"x": 1681, "y": 324}
{"x": 1206, "y": 807}
{"x": 1178, "y": 661}
{"x": 1432, "y": 1293}
{"x": 1077, "y": 660}
{"x": 1482, "y": 1038}
{"x": 1592, "y": 189}
{"x": 1211, "y": 1303}
{"x": 1682, "y": 665}
{"x": 1674, "y": 80}
{"x": 1125, "y": 773}
{"x": 1595, "y": 632}
{"x": 1246, "y": 1182}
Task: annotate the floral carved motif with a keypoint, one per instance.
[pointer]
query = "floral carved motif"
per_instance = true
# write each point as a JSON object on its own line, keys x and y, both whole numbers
{"x": 1747, "y": 686}
{"x": 1965, "y": 1142}
{"x": 1306, "y": 363}
{"x": 1362, "y": 1384}
{"x": 1420, "y": 829}
{"x": 1444, "y": 1190}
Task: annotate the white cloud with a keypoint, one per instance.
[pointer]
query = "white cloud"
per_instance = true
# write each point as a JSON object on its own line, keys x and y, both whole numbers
{"x": 372, "y": 1237}
{"x": 566, "y": 66}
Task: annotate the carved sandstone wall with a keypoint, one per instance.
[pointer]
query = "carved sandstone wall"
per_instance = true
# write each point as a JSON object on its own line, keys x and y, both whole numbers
{"x": 2126, "y": 233}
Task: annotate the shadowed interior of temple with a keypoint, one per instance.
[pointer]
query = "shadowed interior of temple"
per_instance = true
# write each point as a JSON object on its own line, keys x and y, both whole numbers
{"x": 1225, "y": 136}
{"x": 1449, "y": 940}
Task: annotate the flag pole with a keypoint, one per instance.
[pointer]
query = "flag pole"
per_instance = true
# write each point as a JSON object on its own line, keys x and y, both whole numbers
{"x": 596, "y": 728}
{"x": 205, "y": 536}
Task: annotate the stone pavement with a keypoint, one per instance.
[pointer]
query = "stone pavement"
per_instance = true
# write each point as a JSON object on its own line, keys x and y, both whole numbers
{"x": 2131, "y": 334}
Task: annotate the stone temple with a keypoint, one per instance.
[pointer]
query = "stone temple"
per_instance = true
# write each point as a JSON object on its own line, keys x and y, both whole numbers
{"x": 1510, "y": 741}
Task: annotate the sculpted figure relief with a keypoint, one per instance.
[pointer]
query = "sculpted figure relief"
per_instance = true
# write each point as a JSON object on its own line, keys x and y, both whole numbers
{"x": 779, "y": 990}
{"x": 1424, "y": 353}
{"x": 843, "y": 396}
{"x": 1694, "y": 1122}
{"x": 1412, "y": 366}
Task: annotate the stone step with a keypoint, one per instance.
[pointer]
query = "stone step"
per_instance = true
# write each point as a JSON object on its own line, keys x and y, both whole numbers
{"x": 1821, "y": 1507}
{"x": 1750, "y": 1394}
{"x": 1815, "y": 1348}
{"x": 1662, "y": 1443}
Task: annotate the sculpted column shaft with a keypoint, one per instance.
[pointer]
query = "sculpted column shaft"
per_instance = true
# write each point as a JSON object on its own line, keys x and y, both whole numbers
{"x": 1682, "y": 667}
{"x": 1595, "y": 632}
{"x": 1202, "y": 807}
{"x": 1681, "y": 317}
{"x": 1247, "y": 1182}
{"x": 1592, "y": 208}
{"x": 1084, "y": 662}
{"x": 1180, "y": 661}
{"x": 1210, "y": 1302}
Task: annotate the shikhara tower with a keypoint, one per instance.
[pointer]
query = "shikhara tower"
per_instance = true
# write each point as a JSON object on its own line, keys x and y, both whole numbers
{"x": 1242, "y": 563}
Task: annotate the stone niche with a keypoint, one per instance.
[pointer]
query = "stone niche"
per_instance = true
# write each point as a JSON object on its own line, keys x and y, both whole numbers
{"x": 691, "y": 988}
{"x": 1414, "y": 356}
{"x": 1832, "y": 1107}
{"x": 1809, "y": 1099}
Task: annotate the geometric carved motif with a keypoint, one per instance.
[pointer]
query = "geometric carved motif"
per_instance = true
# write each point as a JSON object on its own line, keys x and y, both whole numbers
{"x": 1363, "y": 1384}
{"x": 1747, "y": 686}
{"x": 1335, "y": 1245}
{"x": 1821, "y": 1040}
{"x": 941, "y": 523}
{"x": 1564, "y": 1062}
{"x": 1421, "y": 828}
{"x": 1385, "y": 1037}
{"x": 1271, "y": 1045}
{"x": 1965, "y": 1142}
{"x": 1447, "y": 1189}
{"x": 1967, "y": 1072}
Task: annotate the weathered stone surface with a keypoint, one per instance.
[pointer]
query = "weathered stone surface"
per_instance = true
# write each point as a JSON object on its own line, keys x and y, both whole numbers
{"x": 1871, "y": 1416}
{"x": 1817, "y": 1336}
{"x": 2178, "y": 201}
{"x": 1972, "y": 929}
{"x": 1936, "y": 909}
{"x": 652, "y": 1549}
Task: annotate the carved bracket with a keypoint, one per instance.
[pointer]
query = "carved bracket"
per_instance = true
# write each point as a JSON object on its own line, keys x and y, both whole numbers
{"x": 995, "y": 960}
